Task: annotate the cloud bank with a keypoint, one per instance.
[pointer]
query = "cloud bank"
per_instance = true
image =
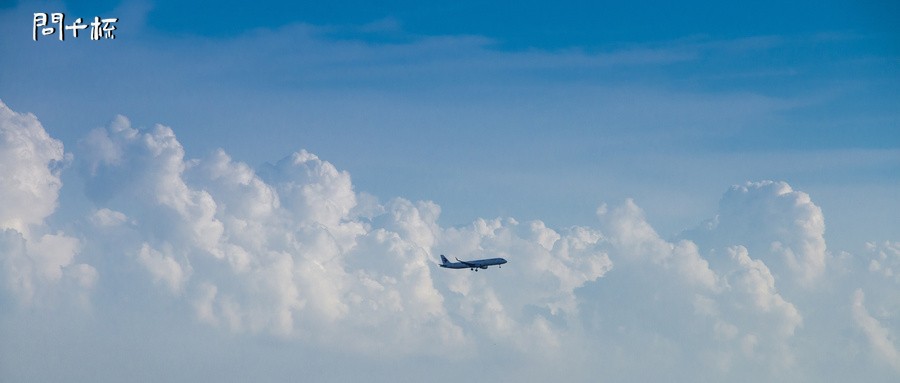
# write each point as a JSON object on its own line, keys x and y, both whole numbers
{"x": 291, "y": 252}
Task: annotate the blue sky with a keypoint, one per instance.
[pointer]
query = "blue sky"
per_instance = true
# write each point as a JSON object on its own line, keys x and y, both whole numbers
{"x": 529, "y": 24}
{"x": 738, "y": 163}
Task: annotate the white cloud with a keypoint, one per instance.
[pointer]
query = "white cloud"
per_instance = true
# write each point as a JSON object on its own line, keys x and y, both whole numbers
{"x": 726, "y": 317}
{"x": 34, "y": 261}
{"x": 756, "y": 281}
{"x": 294, "y": 252}
{"x": 277, "y": 256}
{"x": 29, "y": 164}
{"x": 106, "y": 217}
{"x": 163, "y": 268}
{"x": 295, "y": 256}
{"x": 290, "y": 250}
{"x": 771, "y": 219}
{"x": 37, "y": 270}
{"x": 636, "y": 240}
{"x": 880, "y": 338}
{"x": 885, "y": 259}
{"x": 314, "y": 190}
{"x": 767, "y": 321}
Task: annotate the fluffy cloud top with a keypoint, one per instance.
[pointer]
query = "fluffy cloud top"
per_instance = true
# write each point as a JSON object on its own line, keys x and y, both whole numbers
{"x": 784, "y": 226}
{"x": 30, "y": 162}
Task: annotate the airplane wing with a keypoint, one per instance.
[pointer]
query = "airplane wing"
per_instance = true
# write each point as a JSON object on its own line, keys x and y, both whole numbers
{"x": 470, "y": 264}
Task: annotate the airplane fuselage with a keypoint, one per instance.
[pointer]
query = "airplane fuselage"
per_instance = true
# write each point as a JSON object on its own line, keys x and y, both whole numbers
{"x": 473, "y": 265}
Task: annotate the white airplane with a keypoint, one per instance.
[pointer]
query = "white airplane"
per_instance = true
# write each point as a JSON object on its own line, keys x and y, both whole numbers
{"x": 471, "y": 265}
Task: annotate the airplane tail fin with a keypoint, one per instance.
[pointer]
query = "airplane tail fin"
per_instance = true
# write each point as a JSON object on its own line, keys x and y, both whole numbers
{"x": 444, "y": 260}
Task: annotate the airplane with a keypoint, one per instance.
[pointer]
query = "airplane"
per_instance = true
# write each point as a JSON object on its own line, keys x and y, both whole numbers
{"x": 471, "y": 265}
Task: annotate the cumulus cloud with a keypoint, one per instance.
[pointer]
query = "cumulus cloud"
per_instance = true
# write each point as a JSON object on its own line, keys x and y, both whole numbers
{"x": 771, "y": 219}
{"x": 34, "y": 260}
{"x": 633, "y": 236}
{"x": 291, "y": 250}
{"x": 880, "y": 338}
{"x": 884, "y": 259}
{"x": 276, "y": 251}
{"x": 874, "y": 301}
{"x": 726, "y": 317}
{"x": 163, "y": 268}
{"x": 769, "y": 318}
{"x": 532, "y": 304}
{"x": 30, "y": 163}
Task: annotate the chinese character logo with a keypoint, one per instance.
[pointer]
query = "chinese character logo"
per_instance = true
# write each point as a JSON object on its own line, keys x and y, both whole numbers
{"x": 54, "y": 23}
